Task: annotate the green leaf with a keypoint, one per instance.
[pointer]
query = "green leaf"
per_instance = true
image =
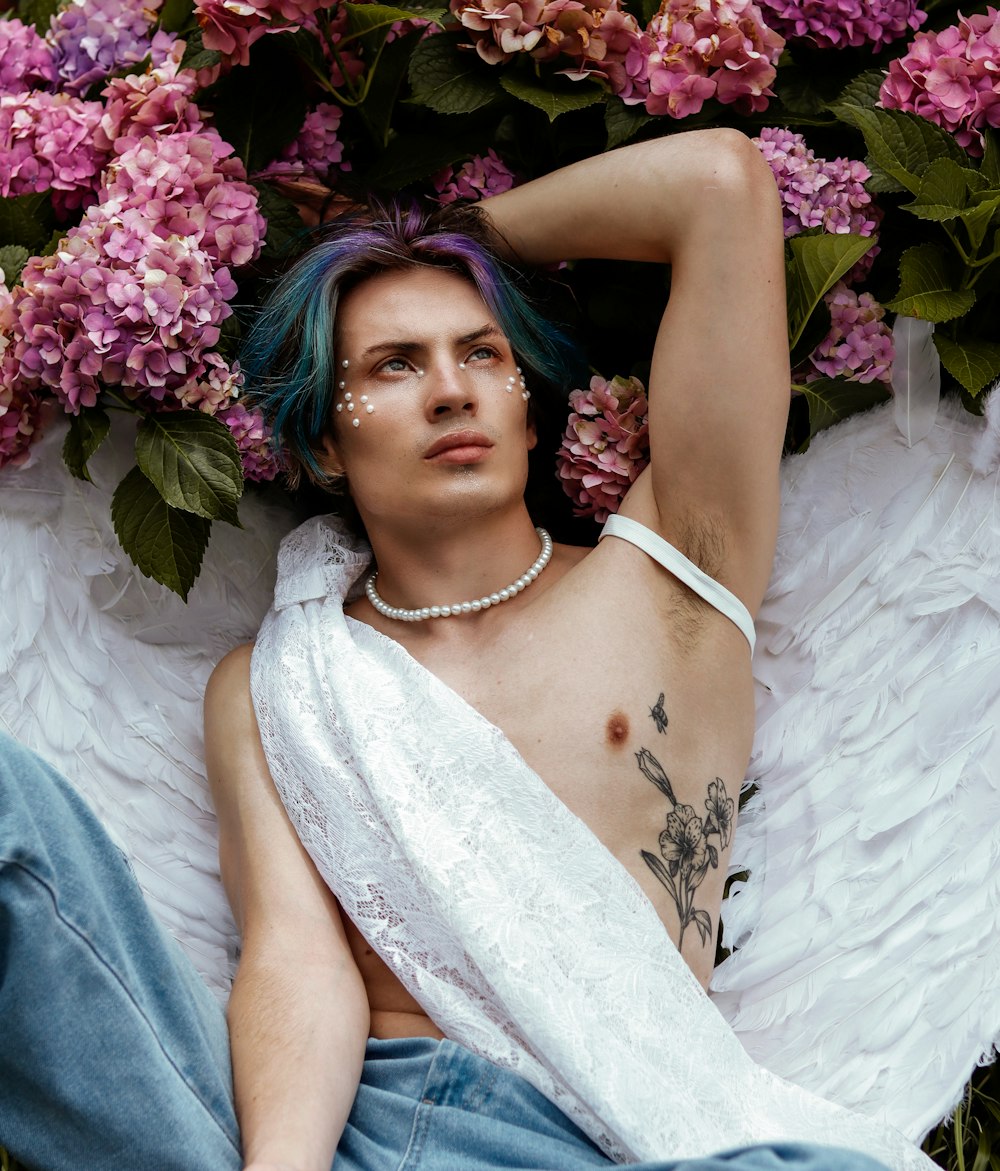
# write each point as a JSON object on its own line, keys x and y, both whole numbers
{"x": 978, "y": 217}
{"x": 989, "y": 168}
{"x": 26, "y": 220}
{"x": 880, "y": 183}
{"x": 551, "y": 97}
{"x": 57, "y": 237}
{"x": 13, "y": 257}
{"x": 260, "y": 109}
{"x": 973, "y": 363}
{"x": 818, "y": 262}
{"x": 196, "y": 56}
{"x": 87, "y": 431}
{"x": 193, "y": 462}
{"x": 832, "y": 399}
{"x": 623, "y": 122}
{"x": 450, "y": 79}
{"x": 285, "y": 229}
{"x": 366, "y": 18}
{"x": 384, "y": 84}
{"x": 943, "y": 192}
{"x": 415, "y": 156}
{"x": 903, "y": 145}
{"x": 927, "y": 286}
{"x": 38, "y": 12}
{"x": 166, "y": 544}
{"x": 862, "y": 92}
{"x": 176, "y": 15}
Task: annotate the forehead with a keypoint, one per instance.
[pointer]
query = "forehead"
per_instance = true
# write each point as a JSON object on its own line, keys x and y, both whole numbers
{"x": 420, "y": 303}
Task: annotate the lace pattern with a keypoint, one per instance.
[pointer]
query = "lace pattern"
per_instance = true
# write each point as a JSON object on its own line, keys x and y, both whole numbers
{"x": 449, "y": 854}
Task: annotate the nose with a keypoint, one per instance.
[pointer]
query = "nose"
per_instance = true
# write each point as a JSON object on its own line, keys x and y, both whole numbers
{"x": 450, "y": 390}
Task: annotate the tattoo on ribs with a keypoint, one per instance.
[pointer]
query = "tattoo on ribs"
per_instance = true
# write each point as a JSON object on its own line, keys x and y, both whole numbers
{"x": 686, "y": 853}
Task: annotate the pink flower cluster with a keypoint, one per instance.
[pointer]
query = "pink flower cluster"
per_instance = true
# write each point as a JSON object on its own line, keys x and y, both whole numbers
{"x": 48, "y": 141}
{"x": 817, "y": 192}
{"x": 232, "y": 26}
{"x": 691, "y": 51}
{"x": 951, "y": 78}
{"x": 859, "y": 345}
{"x": 155, "y": 103}
{"x": 479, "y": 178}
{"x": 317, "y": 151}
{"x": 606, "y": 445}
{"x": 136, "y": 294}
{"x": 25, "y": 59}
{"x": 839, "y": 23}
{"x": 92, "y": 38}
{"x": 21, "y": 410}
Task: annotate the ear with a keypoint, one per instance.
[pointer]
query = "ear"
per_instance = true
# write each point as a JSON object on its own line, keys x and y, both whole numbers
{"x": 328, "y": 456}
{"x": 531, "y": 434}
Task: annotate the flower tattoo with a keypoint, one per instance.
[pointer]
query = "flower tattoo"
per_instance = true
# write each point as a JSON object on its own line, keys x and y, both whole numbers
{"x": 686, "y": 853}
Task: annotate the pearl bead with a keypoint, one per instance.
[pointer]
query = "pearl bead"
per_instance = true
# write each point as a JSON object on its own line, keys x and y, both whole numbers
{"x": 425, "y": 612}
{"x": 345, "y": 363}
{"x": 445, "y": 611}
{"x": 357, "y": 422}
{"x": 370, "y": 409}
{"x": 340, "y": 406}
{"x": 476, "y": 606}
{"x": 364, "y": 398}
{"x": 495, "y": 599}
{"x": 341, "y": 385}
{"x": 435, "y": 611}
{"x": 466, "y": 607}
{"x": 347, "y": 397}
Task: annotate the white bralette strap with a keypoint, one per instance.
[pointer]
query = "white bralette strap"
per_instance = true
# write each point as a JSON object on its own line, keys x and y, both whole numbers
{"x": 674, "y": 561}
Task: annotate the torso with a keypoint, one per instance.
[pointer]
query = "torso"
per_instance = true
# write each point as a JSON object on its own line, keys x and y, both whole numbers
{"x": 613, "y": 661}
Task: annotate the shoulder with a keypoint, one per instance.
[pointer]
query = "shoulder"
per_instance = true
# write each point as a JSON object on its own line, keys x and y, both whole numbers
{"x": 231, "y": 675}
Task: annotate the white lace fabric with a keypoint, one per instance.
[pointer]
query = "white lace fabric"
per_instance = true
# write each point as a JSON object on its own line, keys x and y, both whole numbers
{"x": 498, "y": 909}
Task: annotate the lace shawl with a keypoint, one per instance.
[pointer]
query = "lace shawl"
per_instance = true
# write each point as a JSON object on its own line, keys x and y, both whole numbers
{"x": 510, "y": 923}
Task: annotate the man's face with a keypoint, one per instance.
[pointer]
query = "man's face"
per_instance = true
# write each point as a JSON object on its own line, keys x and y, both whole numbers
{"x": 442, "y": 426}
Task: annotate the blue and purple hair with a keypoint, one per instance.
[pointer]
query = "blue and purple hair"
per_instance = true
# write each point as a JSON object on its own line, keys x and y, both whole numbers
{"x": 288, "y": 358}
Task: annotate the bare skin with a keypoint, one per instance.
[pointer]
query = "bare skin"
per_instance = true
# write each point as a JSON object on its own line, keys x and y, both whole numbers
{"x": 606, "y": 674}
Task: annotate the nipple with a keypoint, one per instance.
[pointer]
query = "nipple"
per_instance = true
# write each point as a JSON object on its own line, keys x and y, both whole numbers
{"x": 617, "y": 729}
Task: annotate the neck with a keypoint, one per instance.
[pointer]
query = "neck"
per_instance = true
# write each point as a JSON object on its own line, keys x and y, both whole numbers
{"x": 453, "y": 561}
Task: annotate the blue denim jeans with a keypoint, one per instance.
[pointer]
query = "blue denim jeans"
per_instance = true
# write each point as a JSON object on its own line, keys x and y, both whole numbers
{"x": 114, "y": 1055}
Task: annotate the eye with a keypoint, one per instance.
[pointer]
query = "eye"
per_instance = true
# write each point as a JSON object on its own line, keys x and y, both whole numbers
{"x": 483, "y": 354}
{"x": 395, "y": 366}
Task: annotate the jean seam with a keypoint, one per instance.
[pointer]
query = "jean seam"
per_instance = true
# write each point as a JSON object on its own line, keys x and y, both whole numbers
{"x": 85, "y": 940}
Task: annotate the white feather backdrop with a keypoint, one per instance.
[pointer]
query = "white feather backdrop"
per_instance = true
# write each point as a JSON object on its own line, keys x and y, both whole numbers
{"x": 869, "y": 966}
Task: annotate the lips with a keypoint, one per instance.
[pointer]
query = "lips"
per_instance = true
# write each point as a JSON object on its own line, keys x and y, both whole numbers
{"x": 460, "y": 447}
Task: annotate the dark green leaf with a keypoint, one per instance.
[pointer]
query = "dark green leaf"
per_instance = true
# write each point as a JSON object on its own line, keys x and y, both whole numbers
{"x": 989, "y": 168}
{"x": 623, "y": 122}
{"x": 260, "y": 109}
{"x": 196, "y": 56}
{"x": 194, "y": 463}
{"x": 176, "y": 15}
{"x": 832, "y": 399}
{"x": 38, "y": 12}
{"x": 27, "y": 220}
{"x": 87, "y": 431}
{"x": 978, "y": 217}
{"x": 166, "y": 544}
{"x": 862, "y": 92}
{"x": 285, "y": 229}
{"x": 902, "y": 145}
{"x": 943, "y": 192}
{"x": 552, "y": 96}
{"x": 880, "y": 183}
{"x": 818, "y": 262}
{"x": 416, "y": 156}
{"x": 975, "y": 364}
{"x": 383, "y": 86}
{"x": 928, "y": 286}
{"x": 366, "y": 18}
{"x": 13, "y": 257}
{"x": 446, "y": 74}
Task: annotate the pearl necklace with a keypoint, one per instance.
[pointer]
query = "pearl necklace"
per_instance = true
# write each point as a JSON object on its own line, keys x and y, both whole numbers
{"x": 483, "y": 603}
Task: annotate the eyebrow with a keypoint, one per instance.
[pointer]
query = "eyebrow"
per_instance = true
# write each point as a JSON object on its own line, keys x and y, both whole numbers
{"x": 407, "y": 347}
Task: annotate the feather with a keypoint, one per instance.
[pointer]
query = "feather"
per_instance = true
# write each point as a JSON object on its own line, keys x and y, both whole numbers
{"x": 916, "y": 378}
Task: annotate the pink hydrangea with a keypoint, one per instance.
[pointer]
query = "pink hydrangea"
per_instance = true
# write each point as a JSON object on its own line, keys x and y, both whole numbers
{"x": 817, "y": 192}
{"x": 231, "y": 26}
{"x": 606, "y": 445}
{"x": 188, "y": 185}
{"x": 92, "y": 38}
{"x": 48, "y": 141}
{"x": 317, "y": 151}
{"x": 21, "y": 410}
{"x": 838, "y": 23}
{"x": 710, "y": 48}
{"x": 26, "y": 60}
{"x": 479, "y": 178}
{"x": 217, "y": 385}
{"x": 859, "y": 345}
{"x": 154, "y": 103}
{"x": 951, "y": 78}
{"x": 254, "y": 439}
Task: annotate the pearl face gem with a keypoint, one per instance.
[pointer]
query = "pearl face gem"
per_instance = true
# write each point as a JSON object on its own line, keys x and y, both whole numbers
{"x": 345, "y": 363}
{"x": 477, "y": 605}
{"x": 357, "y": 422}
{"x": 370, "y": 409}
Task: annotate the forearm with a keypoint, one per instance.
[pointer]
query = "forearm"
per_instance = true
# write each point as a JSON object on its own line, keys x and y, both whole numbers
{"x": 650, "y": 201}
{"x": 297, "y": 1035}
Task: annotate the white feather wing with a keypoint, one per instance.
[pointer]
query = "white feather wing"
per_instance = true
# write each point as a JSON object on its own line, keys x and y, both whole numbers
{"x": 868, "y": 966}
{"x": 102, "y": 671}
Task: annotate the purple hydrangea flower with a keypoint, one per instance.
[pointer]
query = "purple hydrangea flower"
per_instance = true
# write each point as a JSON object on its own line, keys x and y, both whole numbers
{"x": 838, "y": 23}
{"x": 859, "y": 345}
{"x": 317, "y": 151}
{"x": 26, "y": 60}
{"x": 479, "y": 178}
{"x": 254, "y": 439}
{"x": 92, "y": 38}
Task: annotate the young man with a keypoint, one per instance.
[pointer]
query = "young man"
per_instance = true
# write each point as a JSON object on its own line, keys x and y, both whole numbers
{"x": 524, "y": 806}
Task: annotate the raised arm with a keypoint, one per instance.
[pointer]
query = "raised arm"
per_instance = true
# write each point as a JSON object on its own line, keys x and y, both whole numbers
{"x": 705, "y": 203}
{"x": 298, "y": 1014}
